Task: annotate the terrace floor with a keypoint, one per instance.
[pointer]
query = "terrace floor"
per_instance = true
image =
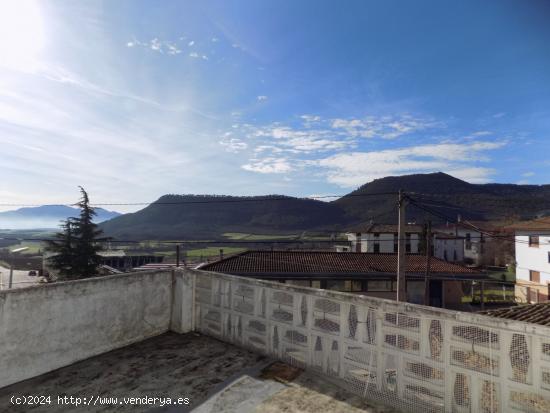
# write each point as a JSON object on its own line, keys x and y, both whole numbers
{"x": 213, "y": 375}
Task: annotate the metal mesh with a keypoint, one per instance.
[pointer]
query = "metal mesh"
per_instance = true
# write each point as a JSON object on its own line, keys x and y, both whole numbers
{"x": 414, "y": 360}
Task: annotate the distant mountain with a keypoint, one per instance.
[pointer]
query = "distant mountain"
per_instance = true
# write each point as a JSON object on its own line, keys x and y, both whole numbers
{"x": 47, "y": 216}
{"x": 447, "y": 195}
{"x": 208, "y": 216}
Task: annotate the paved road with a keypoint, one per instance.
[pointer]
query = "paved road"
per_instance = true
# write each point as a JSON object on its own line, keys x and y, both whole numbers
{"x": 21, "y": 279}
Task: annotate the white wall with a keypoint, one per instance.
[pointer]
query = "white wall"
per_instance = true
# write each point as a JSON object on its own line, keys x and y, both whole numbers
{"x": 386, "y": 242}
{"x": 530, "y": 258}
{"x": 449, "y": 246}
{"x": 473, "y": 251}
{"x": 355, "y": 341}
{"x": 50, "y": 326}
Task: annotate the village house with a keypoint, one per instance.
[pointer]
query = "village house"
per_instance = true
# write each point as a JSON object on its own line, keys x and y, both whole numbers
{"x": 532, "y": 243}
{"x": 382, "y": 238}
{"x": 448, "y": 247}
{"x": 367, "y": 274}
{"x": 476, "y": 235}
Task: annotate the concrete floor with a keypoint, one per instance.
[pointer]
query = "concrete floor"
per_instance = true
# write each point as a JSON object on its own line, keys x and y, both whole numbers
{"x": 214, "y": 376}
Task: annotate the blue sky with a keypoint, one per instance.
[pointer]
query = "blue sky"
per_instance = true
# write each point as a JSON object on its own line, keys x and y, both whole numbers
{"x": 135, "y": 99}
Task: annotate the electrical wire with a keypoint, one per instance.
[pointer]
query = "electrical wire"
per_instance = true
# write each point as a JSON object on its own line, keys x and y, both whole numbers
{"x": 209, "y": 201}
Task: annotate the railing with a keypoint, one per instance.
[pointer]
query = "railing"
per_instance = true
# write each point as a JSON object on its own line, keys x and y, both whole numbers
{"x": 407, "y": 356}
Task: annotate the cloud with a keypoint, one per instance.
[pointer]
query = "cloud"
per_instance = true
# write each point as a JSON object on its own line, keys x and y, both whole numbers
{"x": 499, "y": 115}
{"x": 386, "y": 127}
{"x": 269, "y": 166}
{"x": 214, "y": 40}
{"x": 356, "y": 168}
{"x": 173, "y": 49}
{"x": 194, "y": 55}
{"x": 261, "y": 98}
{"x": 285, "y": 138}
{"x": 528, "y": 174}
{"x": 310, "y": 118}
{"x": 191, "y": 43}
{"x": 157, "y": 45}
{"x": 233, "y": 145}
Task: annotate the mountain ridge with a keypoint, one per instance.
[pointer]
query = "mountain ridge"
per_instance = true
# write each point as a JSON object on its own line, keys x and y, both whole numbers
{"x": 208, "y": 216}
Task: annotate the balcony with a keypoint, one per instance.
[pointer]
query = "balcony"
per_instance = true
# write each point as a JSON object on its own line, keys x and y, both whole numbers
{"x": 408, "y": 357}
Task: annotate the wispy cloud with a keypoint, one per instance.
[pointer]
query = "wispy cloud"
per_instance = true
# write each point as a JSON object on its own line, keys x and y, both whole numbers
{"x": 233, "y": 145}
{"x": 261, "y": 98}
{"x": 356, "y": 168}
{"x": 386, "y": 127}
{"x": 269, "y": 166}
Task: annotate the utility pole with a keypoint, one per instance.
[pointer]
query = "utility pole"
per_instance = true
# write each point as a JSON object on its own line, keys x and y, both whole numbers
{"x": 428, "y": 256}
{"x": 177, "y": 255}
{"x": 401, "y": 265}
{"x": 10, "y": 283}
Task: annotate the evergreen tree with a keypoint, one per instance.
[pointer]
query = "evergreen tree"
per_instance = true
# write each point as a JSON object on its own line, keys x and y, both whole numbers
{"x": 76, "y": 249}
{"x": 62, "y": 249}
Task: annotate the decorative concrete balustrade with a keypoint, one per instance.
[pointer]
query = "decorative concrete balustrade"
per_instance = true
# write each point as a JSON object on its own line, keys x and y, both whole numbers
{"x": 412, "y": 357}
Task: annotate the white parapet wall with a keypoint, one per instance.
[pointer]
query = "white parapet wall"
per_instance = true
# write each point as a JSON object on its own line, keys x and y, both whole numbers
{"x": 46, "y": 327}
{"x": 414, "y": 358}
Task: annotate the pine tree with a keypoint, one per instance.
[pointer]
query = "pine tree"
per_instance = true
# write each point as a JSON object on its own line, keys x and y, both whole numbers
{"x": 76, "y": 249}
{"x": 62, "y": 249}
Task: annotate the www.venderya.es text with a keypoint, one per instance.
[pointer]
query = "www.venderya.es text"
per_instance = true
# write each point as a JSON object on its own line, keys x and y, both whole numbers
{"x": 95, "y": 400}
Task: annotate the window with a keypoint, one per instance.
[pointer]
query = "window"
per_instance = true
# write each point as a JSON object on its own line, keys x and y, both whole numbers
{"x": 408, "y": 243}
{"x": 468, "y": 244}
{"x": 344, "y": 285}
{"x": 381, "y": 285}
{"x": 534, "y": 241}
{"x": 376, "y": 245}
{"x": 534, "y": 276}
{"x": 395, "y": 242}
{"x": 299, "y": 283}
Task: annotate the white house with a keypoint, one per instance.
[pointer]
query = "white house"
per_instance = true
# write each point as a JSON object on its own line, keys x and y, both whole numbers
{"x": 532, "y": 242}
{"x": 377, "y": 238}
{"x": 448, "y": 247}
{"x": 474, "y": 240}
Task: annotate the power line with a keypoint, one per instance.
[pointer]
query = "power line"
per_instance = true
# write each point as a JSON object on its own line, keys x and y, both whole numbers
{"x": 209, "y": 201}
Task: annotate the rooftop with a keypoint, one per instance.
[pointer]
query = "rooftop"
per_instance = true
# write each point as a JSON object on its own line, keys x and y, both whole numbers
{"x": 530, "y": 313}
{"x": 215, "y": 376}
{"x": 329, "y": 263}
{"x": 542, "y": 224}
{"x": 385, "y": 228}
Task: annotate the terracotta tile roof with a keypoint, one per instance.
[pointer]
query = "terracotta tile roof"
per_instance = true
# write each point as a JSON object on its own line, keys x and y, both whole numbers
{"x": 535, "y": 224}
{"x": 385, "y": 228}
{"x": 329, "y": 263}
{"x": 529, "y": 313}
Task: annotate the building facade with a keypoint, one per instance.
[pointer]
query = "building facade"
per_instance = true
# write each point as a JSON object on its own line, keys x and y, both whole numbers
{"x": 448, "y": 247}
{"x": 382, "y": 238}
{"x": 532, "y": 264}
